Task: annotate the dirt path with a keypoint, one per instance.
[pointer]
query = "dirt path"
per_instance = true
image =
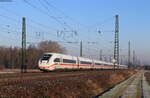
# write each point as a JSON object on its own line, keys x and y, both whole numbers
{"x": 134, "y": 87}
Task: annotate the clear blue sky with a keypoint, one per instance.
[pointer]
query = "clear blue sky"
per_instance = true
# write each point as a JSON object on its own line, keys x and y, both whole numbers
{"x": 84, "y": 16}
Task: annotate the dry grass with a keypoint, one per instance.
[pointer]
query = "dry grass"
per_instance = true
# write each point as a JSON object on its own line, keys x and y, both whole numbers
{"x": 58, "y": 86}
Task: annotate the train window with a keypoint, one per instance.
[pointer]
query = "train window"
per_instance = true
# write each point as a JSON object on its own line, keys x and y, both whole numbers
{"x": 69, "y": 61}
{"x": 98, "y": 64}
{"x": 85, "y": 62}
{"x": 57, "y": 60}
{"x": 105, "y": 64}
{"x": 46, "y": 56}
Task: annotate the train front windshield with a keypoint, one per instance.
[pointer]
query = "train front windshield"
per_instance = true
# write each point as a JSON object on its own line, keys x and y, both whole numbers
{"x": 46, "y": 57}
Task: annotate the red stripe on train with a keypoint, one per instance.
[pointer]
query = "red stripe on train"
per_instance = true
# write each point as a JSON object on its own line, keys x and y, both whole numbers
{"x": 98, "y": 66}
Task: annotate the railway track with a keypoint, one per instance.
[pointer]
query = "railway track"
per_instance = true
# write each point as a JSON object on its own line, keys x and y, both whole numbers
{"x": 134, "y": 87}
{"x": 12, "y": 75}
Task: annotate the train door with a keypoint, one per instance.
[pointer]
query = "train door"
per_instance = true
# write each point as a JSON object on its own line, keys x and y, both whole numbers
{"x": 78, "y": 62}
{"x": 92, "y": 64}
{"x": 73, "y": 64}
{"x": 57, "y": 62}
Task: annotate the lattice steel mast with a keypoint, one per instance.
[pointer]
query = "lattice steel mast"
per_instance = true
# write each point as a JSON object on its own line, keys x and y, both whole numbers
{"x": 23, "y": 62}
{"x": 116, "y": 42}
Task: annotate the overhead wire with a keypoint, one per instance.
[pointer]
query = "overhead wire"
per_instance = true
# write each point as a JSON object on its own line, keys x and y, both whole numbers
{"x": 66, "y": 16}
{"x": 16, "y": 21}
{"x": 35, "y": 7}
{"x": 25, "y": 0}
{"x": 32, "y": 21}
{"x": 65, "y": 23}
{"x": 49, "y": 4}
{"x": 43, "y": 12}
{"x": 10, "y": 31}
{"x": 29, "y": 19}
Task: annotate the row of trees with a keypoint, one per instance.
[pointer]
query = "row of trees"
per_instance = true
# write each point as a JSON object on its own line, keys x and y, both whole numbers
{"x": 11, "y": 57}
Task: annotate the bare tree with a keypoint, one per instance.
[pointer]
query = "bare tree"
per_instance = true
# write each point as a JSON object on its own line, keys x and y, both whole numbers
{"x": 50, "y": 46}
{"x": 11, "y": 57}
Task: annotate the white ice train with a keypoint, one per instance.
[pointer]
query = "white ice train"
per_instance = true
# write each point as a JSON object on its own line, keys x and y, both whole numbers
{"x": 55, "y": 61}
